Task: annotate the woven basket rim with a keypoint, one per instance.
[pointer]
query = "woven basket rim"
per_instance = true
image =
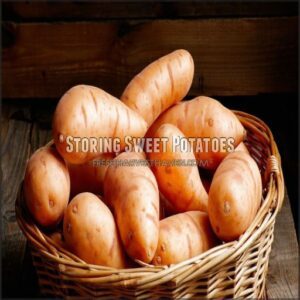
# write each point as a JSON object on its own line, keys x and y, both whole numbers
{"x": 207, "y": 261}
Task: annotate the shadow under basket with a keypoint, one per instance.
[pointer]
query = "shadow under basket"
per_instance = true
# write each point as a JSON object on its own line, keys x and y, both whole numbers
{"x": 231, "y": 270}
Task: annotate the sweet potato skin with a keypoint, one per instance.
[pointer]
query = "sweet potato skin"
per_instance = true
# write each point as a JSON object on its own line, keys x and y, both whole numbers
{"x": 181, "y": 185}
{"x": 203, "y": 117}
{"x": 90, "y": 232}
{"x": 58, "y": 239}
{"x": 89, "y": 112}
{"x": 242, "y": 147}
{"x": 89, "y": 177}
{"x": 132, "y": 193}
{"x": 234, "y": 196}
{"x": 183, "y": 236}
{"x": 160, "y": 85}
{"x": 46, "y": 186}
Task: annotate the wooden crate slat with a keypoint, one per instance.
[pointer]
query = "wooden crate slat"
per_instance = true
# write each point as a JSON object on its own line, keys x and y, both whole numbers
{"x": 232, "y": 56}
{"x": 15, "y": 150}
{"x": 20, "y": 137}
{"x": 72, "y": 10}
{"x": 283, "y": 276}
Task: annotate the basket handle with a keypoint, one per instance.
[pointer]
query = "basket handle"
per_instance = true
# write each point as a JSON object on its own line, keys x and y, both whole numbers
{"x": 273, "y": 167}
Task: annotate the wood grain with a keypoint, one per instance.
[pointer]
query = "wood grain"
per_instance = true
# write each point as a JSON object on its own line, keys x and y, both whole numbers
{"x": 20, "y": 136}
{"x": 232, "y": 56}
{"x": 67, "y": 10}
{"x": 15, "y": 149}
{"x": 283, "y": 275}
{"x": 40, "y": 136}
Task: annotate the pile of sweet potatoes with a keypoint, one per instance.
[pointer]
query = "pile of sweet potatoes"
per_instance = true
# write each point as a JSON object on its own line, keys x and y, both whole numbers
{"x": 116, "y": 214}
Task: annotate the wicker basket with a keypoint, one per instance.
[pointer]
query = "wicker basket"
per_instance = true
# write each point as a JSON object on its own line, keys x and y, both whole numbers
{"x": 235, "y": 269}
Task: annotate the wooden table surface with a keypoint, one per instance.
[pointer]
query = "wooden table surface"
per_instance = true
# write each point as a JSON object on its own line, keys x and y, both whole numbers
{"x": 24, "y": 128}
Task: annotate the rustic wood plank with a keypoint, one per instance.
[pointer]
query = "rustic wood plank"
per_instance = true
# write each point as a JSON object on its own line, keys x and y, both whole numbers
{"x": 283, "y": 275}
{"x": 232, "y": 56}
{"x": 29, "y": 286}
{"x": 67, "y": 10}
{"x": 40, "y": 136}
{"x": 23, "y": 130}
{"x": 15, "y": 150}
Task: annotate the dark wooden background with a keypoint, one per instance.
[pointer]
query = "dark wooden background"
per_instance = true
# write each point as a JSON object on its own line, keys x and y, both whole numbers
{"x": 245, "y": 53}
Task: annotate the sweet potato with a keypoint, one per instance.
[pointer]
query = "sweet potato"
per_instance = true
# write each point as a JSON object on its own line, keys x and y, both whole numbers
{"x": 180, "y": 184}
{"x": 204, "y": 118}
{"x": 89, "y": 177}
{"x": 46, "y": 186}
{"x": 58, "y": 239}
{"x": 183, "y": 236}
{"x": 160, "y": 85}
{"x": 90, "y": 232}
{"x": 234, "y": 196}
{"x": 242, "y": 147}
{"x": 89, "y": 112}
{"x": 132, "y": 193}
{"x": 166, "y": 207}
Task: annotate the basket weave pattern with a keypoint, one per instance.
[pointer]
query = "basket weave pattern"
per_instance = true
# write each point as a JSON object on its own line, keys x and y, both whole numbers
{"x": 235, "y": 269}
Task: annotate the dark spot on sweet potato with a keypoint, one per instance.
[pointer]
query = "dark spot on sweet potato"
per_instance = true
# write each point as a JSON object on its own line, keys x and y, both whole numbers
{"x": 238, "y": 177}
{"x": 168, "y": 169}
{"x": 157, "y": 260}
{"x": 210, "y": 122}
{"x": 88, "y": 235}
{"x": 95, "y": 253}
{"x": 227, "y": 207}
{"x": 156, "y": 85}
{"x": 130, "y": 235}
{"x": 75, "y": 208}
{"x": 43, "y": 161}
{"x": 169, "y": 227}
{"x": 152, "y": 218}
{"x": 132, "y": 188}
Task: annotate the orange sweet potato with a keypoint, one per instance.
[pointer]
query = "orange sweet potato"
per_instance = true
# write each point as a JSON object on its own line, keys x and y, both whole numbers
{"x": 160, "y": 85}
{"x": 242, "y": 147}
{"x": 234, "y": 196}
{"x": 89, "y": 177}
{"x": 90, "y": 232}
{"x": 183, "y": 236}
{"x": 180, "y": 184}
{"x": 204, "y": 118}
{"x": 47, "y": 186}
{"x": 89, "y": 112}
{"x": 132, "y": 192}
